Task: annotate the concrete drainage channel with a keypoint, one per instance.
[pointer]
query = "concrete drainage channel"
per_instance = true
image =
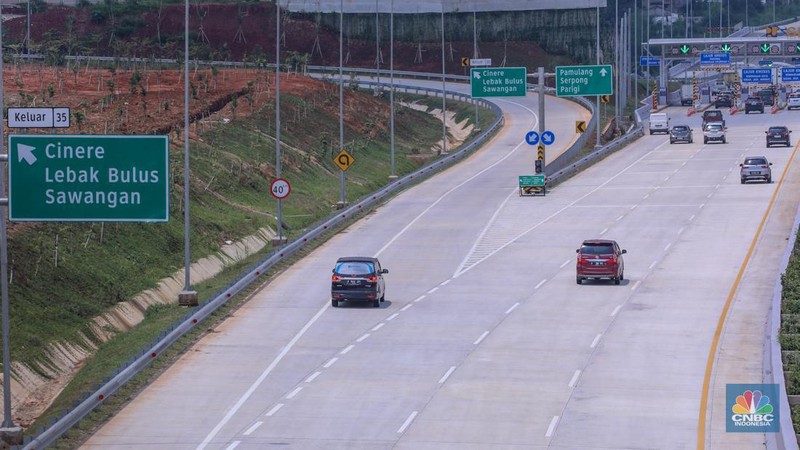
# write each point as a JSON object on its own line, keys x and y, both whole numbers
{"x": 559, "y": 169}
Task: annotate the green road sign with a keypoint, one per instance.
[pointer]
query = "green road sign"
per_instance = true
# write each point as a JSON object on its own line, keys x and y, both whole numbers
{"x": 765, "y": 48}
{"x": 88, "y": 178}
{"x": 531, "y": 180}
{"x": 684, "y": 49}
{"x": 497, "y": 81}
{"x": 726, "y": 48}
{"x": 583, "y": 80}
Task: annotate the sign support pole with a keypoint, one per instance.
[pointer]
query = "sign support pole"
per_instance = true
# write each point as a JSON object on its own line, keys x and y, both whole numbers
{"x": 541, "y": 107}
{"x": 597, "y": 54}
{"x": 475, "y": 56}
{"x": 391, "y": 82}
{"x": 278, "y": 114}
{"x": 342, "y": 200}
{"x": 444, "y": 94}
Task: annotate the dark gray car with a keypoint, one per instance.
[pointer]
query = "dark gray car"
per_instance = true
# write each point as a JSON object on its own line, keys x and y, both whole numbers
{"x": 358, "y": 278}
{"x": 680, "y": 133}
{"x": 755, "y": 168}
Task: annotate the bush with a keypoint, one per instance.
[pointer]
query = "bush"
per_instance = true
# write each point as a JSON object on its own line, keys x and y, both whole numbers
{"x": 790, "y": 323}
{"x": 790, "y": 342}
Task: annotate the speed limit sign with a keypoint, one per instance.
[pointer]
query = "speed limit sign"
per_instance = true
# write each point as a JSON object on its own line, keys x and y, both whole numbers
{"x": 280, "y": 188}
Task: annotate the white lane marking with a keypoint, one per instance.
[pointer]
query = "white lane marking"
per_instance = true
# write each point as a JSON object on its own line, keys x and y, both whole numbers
{"x": 408, "y": 422}
{"x": 684, "y": 163}
{"x": 513, "y": 307}
{"x": 393, "y": 316}
{"x": 274, "y": 409}
{"x": 419, "y": 298}
{"x": 253, "y": 428}
{"x": 552, "y": 427}
{"x": 709, "y": 195}
{"x": 633, "y": 207}
{"x": 666, "y": 179}
{"x": 681, "y": 230}
{"x": 701, "y": 206}
{"x": 574, "y": 378}
{"x": 635, "y": 285}
{"x": 717, "y": 186}
{"x": 405, "y": 308}
{"x": 668, "y": 246}
{"x": 565, "y": 263}
{"x": 483, "y": 233}
{"x": 233, "y": 410}
{"x": 294, "y": 392}
{"x": 653, "y": 264}
{"x": 313, "y": 376}
{"x": 604, "y": 231}
{"x": 233, "y": 445}
{"x": 346, "y": 349}
{"x": 378, "y": 326}
{"x": 620, "y": 218}
{"x": 596, "y": 341}
{"x": 675, "y": 171}
{"x": 616, "y": 310}
{"x": 444, "y": 283}
{"x": 645, "y": 196}
{"x": 447, "y": 374}
{"x": 433, "y": 290}
{"x": 363, "y": 336}
{"x": 540, "y": 284}
{"x": 478, "y": 341}
{"x": 691, "y": 218}
{"x": 330, "y": 363}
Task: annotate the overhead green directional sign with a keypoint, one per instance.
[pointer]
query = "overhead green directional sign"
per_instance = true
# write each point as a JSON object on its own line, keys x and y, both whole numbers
{"x": 765, "y": 48}
{"x": 726, "y": 48}
{"x": 583, "y": 80}
{"x": 684, "y": 49}
{"x": 88, "y": 178}
{"x": 498, "y": 81}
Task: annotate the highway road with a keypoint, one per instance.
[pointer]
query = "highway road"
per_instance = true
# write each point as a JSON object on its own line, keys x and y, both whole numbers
{"x": 485, "y": 340}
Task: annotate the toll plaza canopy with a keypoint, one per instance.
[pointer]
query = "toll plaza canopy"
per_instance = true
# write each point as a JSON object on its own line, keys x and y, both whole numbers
{"x": 434, "y": 6}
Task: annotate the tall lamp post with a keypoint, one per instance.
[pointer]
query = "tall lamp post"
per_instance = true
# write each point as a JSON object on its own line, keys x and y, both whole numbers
{"x": 279, "y": 218}
{"x": 444, "y": 96}
{"x": 391, "y": 81}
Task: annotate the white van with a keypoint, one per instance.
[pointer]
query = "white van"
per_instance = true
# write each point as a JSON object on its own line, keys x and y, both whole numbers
{"x": 659, "y": 123}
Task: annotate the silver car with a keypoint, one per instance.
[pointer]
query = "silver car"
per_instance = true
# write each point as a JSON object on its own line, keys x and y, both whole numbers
{"x": 755, "y": 168}
{"x": 714, "y": 131}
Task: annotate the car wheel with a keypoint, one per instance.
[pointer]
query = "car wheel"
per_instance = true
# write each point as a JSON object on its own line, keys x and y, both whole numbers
{"x": 376, "y": 303}
{"x": 334, "y": 303}
{"x": 671, "y": 141}
{"x": 616, "y": 281}
{"x": 743, "y": 180}
{"x": 724, "y": 141}
{"x": 651, "y": 132}
{"x": 622, "y": 275}
{"x": 383, "y": 297}
{"x": 769, "y": 179}
{"x": 579, "y": 280}
{"x": 768, "y": 145}
{"x": 705, "y": 141}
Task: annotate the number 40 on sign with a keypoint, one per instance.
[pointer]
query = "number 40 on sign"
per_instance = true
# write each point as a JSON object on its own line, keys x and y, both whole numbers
{"x": 280, "y": 188}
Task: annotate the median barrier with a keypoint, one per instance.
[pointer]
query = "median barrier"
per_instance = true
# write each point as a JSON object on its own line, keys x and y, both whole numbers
{"x": 775, "y": 109}
{"x": 691, "y": 111}
{"x": 734, "y": 110}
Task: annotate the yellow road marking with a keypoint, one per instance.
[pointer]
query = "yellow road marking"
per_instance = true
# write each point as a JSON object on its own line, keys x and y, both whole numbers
{"x": 701, "y": 419}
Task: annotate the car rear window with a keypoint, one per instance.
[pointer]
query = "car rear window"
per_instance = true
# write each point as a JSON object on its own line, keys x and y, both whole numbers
{"x": 355, "y": 268}
{"x": 597, "y": 249}
{"x": 754, "y": 161}
{"x": 680, "y": 128}
{"x": 777, "y": 129}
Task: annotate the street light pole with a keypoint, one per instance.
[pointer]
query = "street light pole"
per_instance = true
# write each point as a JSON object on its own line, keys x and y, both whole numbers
{"x": 278, "y": 113}
{"x": 597, "y": 57}
{"x": 342, "y": 200}
{"x": 391, "y": 81}
{"x": 444, "y": 96}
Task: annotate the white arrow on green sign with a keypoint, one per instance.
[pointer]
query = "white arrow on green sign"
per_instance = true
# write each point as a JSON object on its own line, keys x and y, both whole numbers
{"x": 498, "y": 82}
{"x": 574, "y": 81}
{"x": 88, "y": 178}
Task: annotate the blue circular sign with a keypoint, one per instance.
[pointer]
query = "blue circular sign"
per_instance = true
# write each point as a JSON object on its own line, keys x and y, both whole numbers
{"x": 548, "y": 137}
{"x": 532, "y": 138}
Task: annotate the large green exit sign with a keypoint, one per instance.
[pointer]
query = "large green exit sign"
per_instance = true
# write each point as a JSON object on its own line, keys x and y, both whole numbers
{"x": 498, "y": 81}
{"x": 89, "y": 178}
{"x": 583, "y": 80}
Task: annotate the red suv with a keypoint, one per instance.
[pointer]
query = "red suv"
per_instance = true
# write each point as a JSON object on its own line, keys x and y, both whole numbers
{"x": 600, "y": 258}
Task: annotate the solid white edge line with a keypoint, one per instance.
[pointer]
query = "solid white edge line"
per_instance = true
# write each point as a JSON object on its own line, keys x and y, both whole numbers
{"x": 378, "y": 326}
{"x": 478, "y": 341}
{"x": 239, "y": 403}
{"x": 408, "y": 422}
{"x": 540, "y": 283}
{"x": 552, "y": 427}
{"x": 419, "y": 298}
{"x": 635, "y": 285}
{"x": 405, "y": 308}
{"x": 291, "y": 395}
{"x": 330, "y": 363}
{"x": 447, "y": 374}
{"x": 233, "y": 445}
{"x": 274, "y": 409}
{"x": 565, "y": 263}
{"x": 616, "y": 310}
{"x": 253, "y": 428}
{"x": 574, "y": 378}
{"x": 596, "y": 341}
{"x": 393, "y": 316}
{"x": 313, "y": 376}
{"x": 513, "y": 307}
{"x": 346, "y": 349}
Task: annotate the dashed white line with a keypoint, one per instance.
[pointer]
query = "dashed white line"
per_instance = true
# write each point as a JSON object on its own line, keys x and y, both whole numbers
{"x": 701, "y": 206}
{"x": 346, "y": 349}
{"x": 330, "y": 363}
{"x": 596, "y": 340}
{"x": 447, "y": 374}
{"x": 444, "y": 283}
{"x": 291, "y": 395}
{"x": 666, "y": 179}
{"x": 645, "y": 196}
{"x": 540, "y": 284}
{"x": 604, "y": 231}
{"x": 433, "y": 290}
{"x": 633, "y": 207}
{"x": 274, "y": 409}
{"x": 378, "y": 326}
{"x": 419, "y": 298}
{"x": 635, "y": 285}
{"x": 408, "y": 422}
{"x": 619, "y": 218}
{"x": 513, "y": 307}
{"x": 565, "y": 263}
{"x": 253, "y": 428}
{"x": 681, "y": 230}
{"x": 363, "y": 336}
{"x": 668, "y": 246}
{"x": 313, "y": 376}
{"x": 574, "y": 378}
{"x": 616, "y": 310}
{"x": 717, "y": 187}
{"x": 478, "y": 341}
{"x": 691, "y": 218}
{"x": 233, "y": 445}
{"x": 393, "y": 316}
{"x": 653, "y": 264}
{"x": 709, "y": 195}
{"x": 552, "y": 427}
{"x": 405, "y": 308}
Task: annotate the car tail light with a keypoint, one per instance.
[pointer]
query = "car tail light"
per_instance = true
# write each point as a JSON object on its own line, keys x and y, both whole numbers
{"x": 373, "y": 278}
{"x": 764, "y": 166}
{"x": 582, "y": 260}
{"x": 336, "y": 278}
{"x": 612, "y": 260}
